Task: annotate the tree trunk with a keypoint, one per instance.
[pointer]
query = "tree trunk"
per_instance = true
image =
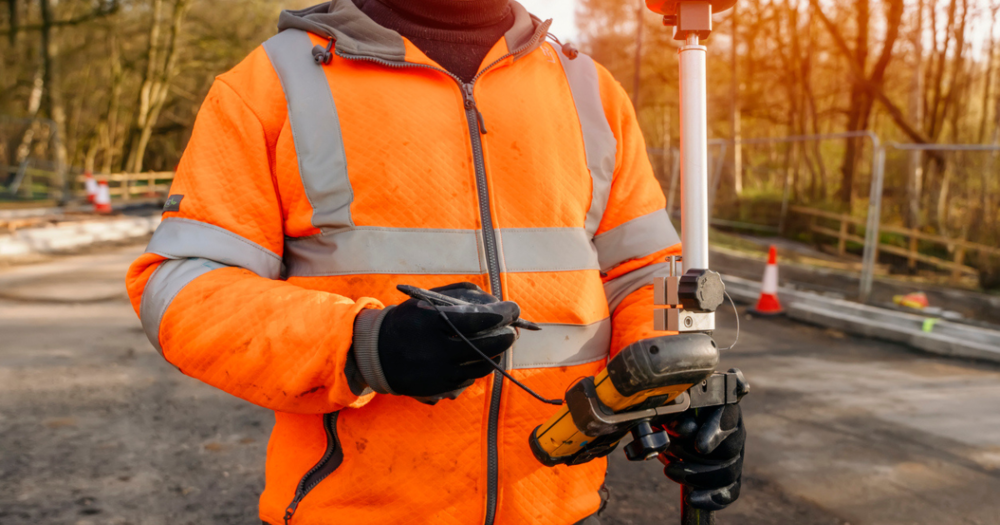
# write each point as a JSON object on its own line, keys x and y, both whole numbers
{"x": 161, "y": 87}
{"x": 34, "y": 104}
{"x": 14, "y": 14}
{"x": 957, "y": 82}
{"x": 110, "y": 127}
{"x": 944, "y": 99}
{"x": 639, "y": 12}
{"x": 89, "y": 159}
{"x": 76, "y": 146}
{"x": 988, "y": 78}
{"x": 942, "y": 201}
{"x": 989, "y": 208}
{"x": 874, "y": 90}
{"x": 856, "y": 104}
{"x": 990, "y": 171}
{"x": 850, "y": 161}
{"x": 915, "y": 169}
{"x": 53, "y": 89}
{"x": 145, "y": 90}
{"x": 788, "y": 53}
{"x": 798, "y": 100}
{"x": 894, "y": 15}
{"x": 734, "y": 97}
{"x": 817, "y": 189}
{"x": 936, "y": 114}
{"x": 666, "y": 159}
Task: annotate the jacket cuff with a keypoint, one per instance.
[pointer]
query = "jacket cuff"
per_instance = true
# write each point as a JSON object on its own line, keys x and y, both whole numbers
{"x": 355, "y": 381}
{"x": 366, "y": 327}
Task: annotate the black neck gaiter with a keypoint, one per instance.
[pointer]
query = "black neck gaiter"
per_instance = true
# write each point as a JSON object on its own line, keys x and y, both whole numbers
{"x": 457, "y": 34}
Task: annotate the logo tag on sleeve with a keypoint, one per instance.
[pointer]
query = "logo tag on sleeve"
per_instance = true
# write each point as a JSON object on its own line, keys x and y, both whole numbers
{"x": 173, "y": 203}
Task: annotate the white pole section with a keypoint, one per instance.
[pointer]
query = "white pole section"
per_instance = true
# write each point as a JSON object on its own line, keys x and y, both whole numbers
{"x": 694, "y": 154}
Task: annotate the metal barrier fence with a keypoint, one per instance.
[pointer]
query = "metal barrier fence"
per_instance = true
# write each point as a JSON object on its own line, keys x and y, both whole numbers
{"x": 715, "y": 164}
{"x": 28, "y": 158}
{"x": 875, "y": 192}
{"x": 874, "y": 195}
{"x": 872, "y": 224}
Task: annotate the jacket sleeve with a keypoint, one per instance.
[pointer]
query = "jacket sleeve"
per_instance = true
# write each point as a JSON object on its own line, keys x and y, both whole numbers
{"x": 635, "y": 235}
{"x": 208, "y": 289}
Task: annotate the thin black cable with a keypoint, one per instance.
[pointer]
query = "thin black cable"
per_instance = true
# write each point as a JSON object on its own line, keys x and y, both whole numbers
{"x": 735, "y": 311}
{"x": 557, "y": 402}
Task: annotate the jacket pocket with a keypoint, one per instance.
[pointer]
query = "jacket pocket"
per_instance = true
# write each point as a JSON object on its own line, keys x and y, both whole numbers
{"x": 331, "y": 459}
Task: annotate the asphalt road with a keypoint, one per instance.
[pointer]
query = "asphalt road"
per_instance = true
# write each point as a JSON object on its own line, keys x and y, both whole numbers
{"x": 95, "y": 428}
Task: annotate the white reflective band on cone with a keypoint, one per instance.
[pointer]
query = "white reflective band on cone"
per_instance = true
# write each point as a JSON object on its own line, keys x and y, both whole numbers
{"x": 770, "y": 283}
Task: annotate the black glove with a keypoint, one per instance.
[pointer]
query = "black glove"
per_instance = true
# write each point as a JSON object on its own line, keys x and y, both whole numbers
{"x": 410, "y": 350}
{"x": 706, "y": 455}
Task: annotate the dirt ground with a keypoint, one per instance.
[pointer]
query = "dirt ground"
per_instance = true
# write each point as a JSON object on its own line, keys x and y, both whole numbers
{"x": 95, "y": 428}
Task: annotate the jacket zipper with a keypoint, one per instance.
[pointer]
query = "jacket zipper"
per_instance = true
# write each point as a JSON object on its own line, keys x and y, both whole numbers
{"x": 477, "y": 128}
{"x": 318, "y": 473}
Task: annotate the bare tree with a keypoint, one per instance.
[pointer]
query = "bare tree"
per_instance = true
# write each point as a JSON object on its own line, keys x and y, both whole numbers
{"x": 987, "y": 78}
{"x": 817, "y": 185}
{"x": 734, "y": 100}
{"x": 857, "y": 101}
{"x": 989, "y": 172}
{"x": 53, "y": 90}
{"x": 640, "y": 13}
{"x": 156, "y": 82}
{"x": 14, "y": 15}
{"x": 34, "y": 105}
{"x": 943, "y": 103}
{"x": 897, "y": 115}
{"x": 107, "y": 130}
{"x": 915, "y": 169}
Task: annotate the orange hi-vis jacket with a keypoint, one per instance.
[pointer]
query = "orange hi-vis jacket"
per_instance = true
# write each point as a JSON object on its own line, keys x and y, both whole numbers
{"x": 309, "y": 190}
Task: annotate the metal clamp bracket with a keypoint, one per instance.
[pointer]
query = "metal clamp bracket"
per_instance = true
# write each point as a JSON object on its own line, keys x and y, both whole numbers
{"x": 680, "y": 320}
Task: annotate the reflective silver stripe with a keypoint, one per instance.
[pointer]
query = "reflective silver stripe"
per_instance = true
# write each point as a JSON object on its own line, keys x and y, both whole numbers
{"x": 618, "y": 289}
{"x": 636, "y": 238}
{"x": 546, "y": 249}
{"x": 312, "y": 114}
{"x": 562, "y": 345}
{"x": 370, "y": 250}
{"x": 598, "y": 140}
{"x": 166, "y": 282}
{"x": 177, "y": 238}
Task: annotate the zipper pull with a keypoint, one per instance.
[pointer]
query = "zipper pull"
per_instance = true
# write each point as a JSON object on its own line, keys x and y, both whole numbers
{"x": 470, "y": 104}
{"x": 290, "y": 511}
{"x": 482, "y": 123}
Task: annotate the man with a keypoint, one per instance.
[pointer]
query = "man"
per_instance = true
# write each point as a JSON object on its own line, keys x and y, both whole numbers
{"x": 437, "y": 143}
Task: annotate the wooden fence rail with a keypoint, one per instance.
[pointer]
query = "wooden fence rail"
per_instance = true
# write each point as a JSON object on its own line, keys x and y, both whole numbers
{"x": 122, "y": 186}
{"x": 126, "y": 185}
{"x": 959, "y": 248}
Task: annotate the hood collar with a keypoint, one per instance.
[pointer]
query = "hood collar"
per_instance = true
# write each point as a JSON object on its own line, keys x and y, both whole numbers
{"x": 357, "y": 34}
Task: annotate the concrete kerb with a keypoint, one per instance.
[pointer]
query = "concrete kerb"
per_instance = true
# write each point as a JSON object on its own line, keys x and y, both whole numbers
{"x": 73, "y": 235}
{"x": 944, "y": 337}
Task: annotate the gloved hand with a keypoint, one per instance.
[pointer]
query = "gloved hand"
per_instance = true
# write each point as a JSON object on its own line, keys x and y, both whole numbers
{"x": 410, "y": 350}
{"x": 706, "y": 455}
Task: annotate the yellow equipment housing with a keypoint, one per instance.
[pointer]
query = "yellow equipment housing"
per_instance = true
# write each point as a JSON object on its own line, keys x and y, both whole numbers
{"x": 645, "y": 375}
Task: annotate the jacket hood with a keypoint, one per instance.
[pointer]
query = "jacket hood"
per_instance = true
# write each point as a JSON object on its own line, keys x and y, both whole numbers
{"x": 357, "y": 34}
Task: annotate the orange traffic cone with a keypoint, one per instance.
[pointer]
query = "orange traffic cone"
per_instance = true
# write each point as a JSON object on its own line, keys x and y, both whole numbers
{"x": 768, "y": 303}
{"x": 91, "y": 186}
{"x": 102, "y": 201}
